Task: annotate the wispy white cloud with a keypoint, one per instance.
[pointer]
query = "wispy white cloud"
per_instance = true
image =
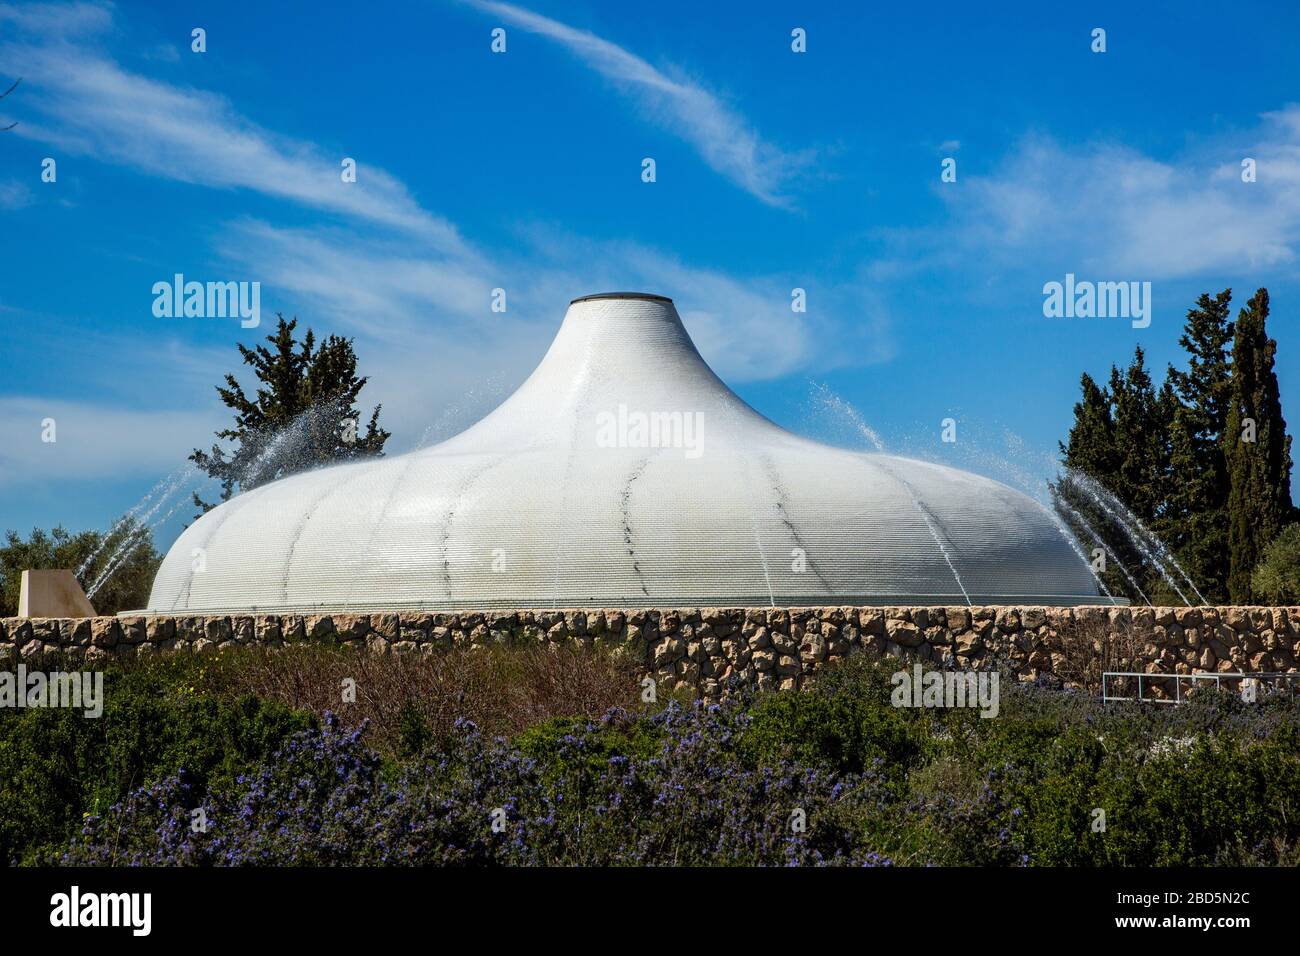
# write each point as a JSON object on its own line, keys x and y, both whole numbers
{"x": 725, "y": 140}
{"x": 1112, "y": 209}
{"x": 111, "y": 362}
{"x": 414, "y": 293}
{"x": 386, "y": 288}
{"x": 164, "y": 53}
{"x": 93, "y": 440}
{"x": 14, "y": 194}
{"x": 84, "y": 102}
{"x": 379, "y": 287}
{"x": 745, "y": 328}
{"x": 412, "y": 314}
{"x": 52, "y": 20}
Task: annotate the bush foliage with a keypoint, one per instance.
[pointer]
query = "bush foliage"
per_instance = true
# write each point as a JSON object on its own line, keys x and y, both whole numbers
{"x": 124, "y": 558}
{"x": 831, "y": 775}
{"x": 1277, "y": 578}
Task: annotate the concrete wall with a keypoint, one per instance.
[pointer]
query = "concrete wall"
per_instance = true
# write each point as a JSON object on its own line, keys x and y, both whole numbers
{"x": 773, "y": 647}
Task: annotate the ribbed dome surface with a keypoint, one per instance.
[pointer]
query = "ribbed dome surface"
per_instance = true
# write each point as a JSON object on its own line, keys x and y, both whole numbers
{"x": 569, "y": 495}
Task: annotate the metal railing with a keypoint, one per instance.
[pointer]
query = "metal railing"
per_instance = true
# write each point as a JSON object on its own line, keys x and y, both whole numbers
{"x": 1288, "y": 682}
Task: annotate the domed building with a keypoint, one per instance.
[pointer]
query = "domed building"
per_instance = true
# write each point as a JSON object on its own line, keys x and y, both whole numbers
{"x": 623, "y": 472}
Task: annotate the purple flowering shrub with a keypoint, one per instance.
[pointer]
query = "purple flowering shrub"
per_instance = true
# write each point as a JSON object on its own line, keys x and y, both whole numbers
{"x": 324, "y": 799}
{"x": 692, "y": 802}
{"x": 830, "y": 776}
{"x": 312, "y": 803}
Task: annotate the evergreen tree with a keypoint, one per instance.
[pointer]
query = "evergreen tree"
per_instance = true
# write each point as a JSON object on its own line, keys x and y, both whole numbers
{"x": 1120, "y": 440}
{"x": 1196, "y": 522}
{"x": 1091, "y": 444}
{"x": 1141, "y": 440}
{"x": 304, "y": 414}
{"x": 1204, "y": 461}
{"x": 1090, "y": 449}
{"x": 1256, "y": 448}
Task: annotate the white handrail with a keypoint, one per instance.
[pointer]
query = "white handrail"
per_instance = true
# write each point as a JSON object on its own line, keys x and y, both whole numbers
{"x": 1263, "y": 677}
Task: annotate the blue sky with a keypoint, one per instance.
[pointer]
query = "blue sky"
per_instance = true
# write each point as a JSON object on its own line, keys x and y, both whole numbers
{"x": 522, "y": 171}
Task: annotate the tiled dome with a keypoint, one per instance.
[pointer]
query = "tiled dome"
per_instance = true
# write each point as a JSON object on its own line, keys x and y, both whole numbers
{"x": 623, "y": 472}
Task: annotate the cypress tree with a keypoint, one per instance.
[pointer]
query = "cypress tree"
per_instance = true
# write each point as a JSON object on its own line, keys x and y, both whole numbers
{"x": 1141, "y": 440}
{"x": 1196, "y": 520}
{"x": 1119, "y": 438}
{"x": 1256, "y": 448}
{"x": 1091, "y": 444}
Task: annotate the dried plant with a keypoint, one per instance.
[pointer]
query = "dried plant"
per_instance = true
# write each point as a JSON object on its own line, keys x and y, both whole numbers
{"x": 1092, "y": 647}
{"x": 502, "y": 690}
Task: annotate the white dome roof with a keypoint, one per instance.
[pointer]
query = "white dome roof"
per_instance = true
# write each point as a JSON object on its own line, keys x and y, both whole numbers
{"x": 623, "y": 472}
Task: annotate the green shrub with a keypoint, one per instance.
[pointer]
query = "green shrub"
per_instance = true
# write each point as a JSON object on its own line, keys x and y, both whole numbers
{"x": 551, "y": 742}
{"x": 57, "y": 765}
{"x": 1179, "y": 801}
{"x": 1215, "y": 780}
{"x": 1189, "y": 806}
{"x": 1277, "y": 577}
{"x": 845, "y": 723}
{"x": 836, "y": 733}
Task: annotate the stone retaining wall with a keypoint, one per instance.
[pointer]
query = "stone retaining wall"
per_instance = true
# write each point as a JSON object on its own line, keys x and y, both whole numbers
{"x": 700, "y": 648}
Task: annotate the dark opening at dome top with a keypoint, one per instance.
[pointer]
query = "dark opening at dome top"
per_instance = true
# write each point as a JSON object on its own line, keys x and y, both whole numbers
{"x": 622, "y": 295}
